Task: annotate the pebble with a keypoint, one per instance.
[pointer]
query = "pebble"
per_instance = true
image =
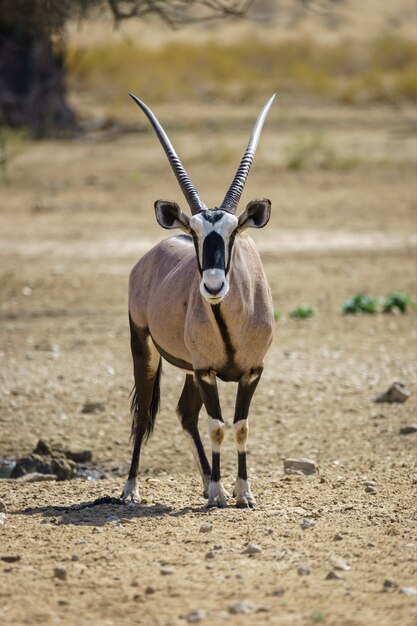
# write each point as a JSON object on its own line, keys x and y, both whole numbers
{"x": 338, "y": 537}
{"x": 112, "y": 518}
{"x": 206, "y": 527}
{"x": 408, "y": 591}
{"x": 196, "y": 616}
{"x": 396, "y": 393}
{"x": 167, "y": 571}
{"x": 210, "y": 555}
{"x": 2, "y": 518}
{"x": 10, "y": 558}
{"x": 3, "y": 508}
{"x": 60, "y": 573}
{"x": 303, "y": 570}
{"x": 341, "y": 565}
{"x": 307, "y": 523}
{"x": 333, "y": 576}
{"x": 409, "y": 429}
{"x": 150, "y": 590}
{"x": 303, "y": 466}
{"x": 370, "y": 489}
{"x": 244, "y": 607}
{"x": 93, "y": 407}
{"x": 252, "y": 548}
{"x": 389, "y": 584}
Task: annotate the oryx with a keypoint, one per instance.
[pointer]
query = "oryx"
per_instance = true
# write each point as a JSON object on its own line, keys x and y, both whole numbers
{"x": 201, "y": 301}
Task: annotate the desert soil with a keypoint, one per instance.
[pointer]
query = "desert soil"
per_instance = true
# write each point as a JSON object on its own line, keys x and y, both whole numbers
{"x": 75, "y": 217}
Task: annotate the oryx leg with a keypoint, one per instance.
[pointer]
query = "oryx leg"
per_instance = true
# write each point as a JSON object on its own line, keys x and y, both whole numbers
{"x": 245, "y": 391}
{"x": 145, "y": 400}
{"x": 188, "y": 408}
{"x": 207, "y": 384}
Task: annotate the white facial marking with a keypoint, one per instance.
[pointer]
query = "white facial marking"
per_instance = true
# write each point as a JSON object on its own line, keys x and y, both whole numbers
{"x": 214, "y": 284}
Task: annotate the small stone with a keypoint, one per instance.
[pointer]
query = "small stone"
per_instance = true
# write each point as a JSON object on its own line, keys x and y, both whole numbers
{"x": 60, "y": 573}
{"x": 150, "y": 590}
{"x": 3, "y": 508}
{"x": 389, "y": 584}
{"x": 278, "y": 592}
{"x": 196, "y": 616}
{"x": 303, "y": 466}
{"x": 206, "y": 527}
{"x": 167, "y": 571}
{"x": 370, "y": 489}
{"x": 409, "y": 429}
{"x": 333, "y": 576}
{"x": 396, "y": 393}
{"x": 112, "y": 518}
{"x": 93, "y": 407}
{"x": 244, "y": 607}
{"x": 75, "y": 557}
{"x": 341, "y": 565}
{"x": 10, "y": 558}
{"x": 338, "y": 537}
{"x": 2, "y": 519}
{"x": 210, "y": 555}
{"x": 303, "y": 570}
{"x": 252, "y": 548}
{"x": 409, "y": 591}
{"x": 307, "y": 523}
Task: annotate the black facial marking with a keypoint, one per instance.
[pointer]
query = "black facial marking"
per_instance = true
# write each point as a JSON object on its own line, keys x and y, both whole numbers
{"x": 213, "y": 252}
{"x": 212, "y": 216}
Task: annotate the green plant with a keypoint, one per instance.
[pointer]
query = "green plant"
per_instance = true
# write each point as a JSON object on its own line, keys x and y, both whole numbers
{"x": 302, "y": 313}
{"x": 397, "y": 300}
{"x": 277, "y": 315}
{"x": 361, "y": 303}
{"x": 317, "y": 617}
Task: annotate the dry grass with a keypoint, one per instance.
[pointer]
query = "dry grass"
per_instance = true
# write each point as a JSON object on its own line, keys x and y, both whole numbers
{"x": 351, "y": 72}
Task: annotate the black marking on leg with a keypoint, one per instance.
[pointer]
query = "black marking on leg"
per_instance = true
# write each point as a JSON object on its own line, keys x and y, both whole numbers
{"x": 241, "y": 470}
{"x": 215, "y": 472}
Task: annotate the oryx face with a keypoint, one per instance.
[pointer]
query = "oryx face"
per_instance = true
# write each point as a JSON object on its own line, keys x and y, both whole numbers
{"x": 213, "y": 232}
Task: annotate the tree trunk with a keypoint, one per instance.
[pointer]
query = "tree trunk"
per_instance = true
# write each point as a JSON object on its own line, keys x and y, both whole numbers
{"x": 32, "y": 88}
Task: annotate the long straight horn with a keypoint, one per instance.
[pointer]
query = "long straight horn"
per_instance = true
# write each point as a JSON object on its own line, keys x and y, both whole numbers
{"x": 188, "y": 189}
{"x": 232, "y": 197}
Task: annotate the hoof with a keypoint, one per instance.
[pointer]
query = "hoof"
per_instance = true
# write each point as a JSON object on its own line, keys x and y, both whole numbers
{"x": 246, "y": 504}
{"x": 217, "y": 504}
{"x": 131, "y": 490}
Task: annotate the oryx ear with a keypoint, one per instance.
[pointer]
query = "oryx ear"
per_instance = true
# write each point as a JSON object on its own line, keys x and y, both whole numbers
{"x": 169, "y": 215}
{"x": 256, "y": 215}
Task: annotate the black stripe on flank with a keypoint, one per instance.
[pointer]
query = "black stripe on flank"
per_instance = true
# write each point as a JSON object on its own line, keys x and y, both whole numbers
{"x": 184, "y": 365}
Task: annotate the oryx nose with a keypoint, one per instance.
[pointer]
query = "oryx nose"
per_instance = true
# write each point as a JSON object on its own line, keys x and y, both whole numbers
{"x": 213, "y": 290}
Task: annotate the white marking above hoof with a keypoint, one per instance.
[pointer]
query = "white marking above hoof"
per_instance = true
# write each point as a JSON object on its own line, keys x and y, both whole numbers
{"x": 131, "y": 489}
{"x": 244, "y": 496}
{"x": 217, "y": 496}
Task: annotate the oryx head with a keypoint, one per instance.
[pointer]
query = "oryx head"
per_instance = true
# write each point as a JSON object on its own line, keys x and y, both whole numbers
{"x": 213, "y": 230}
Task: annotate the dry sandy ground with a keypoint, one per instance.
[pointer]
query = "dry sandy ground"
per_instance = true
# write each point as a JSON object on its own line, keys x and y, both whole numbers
{"x": 74, "y": 219}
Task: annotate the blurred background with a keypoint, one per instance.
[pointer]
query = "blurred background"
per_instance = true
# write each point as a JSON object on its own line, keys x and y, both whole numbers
{"x": 81, "y": 169}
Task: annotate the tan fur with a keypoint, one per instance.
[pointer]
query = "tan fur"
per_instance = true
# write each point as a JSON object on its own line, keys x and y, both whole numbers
{"x": 164, "y": 297}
